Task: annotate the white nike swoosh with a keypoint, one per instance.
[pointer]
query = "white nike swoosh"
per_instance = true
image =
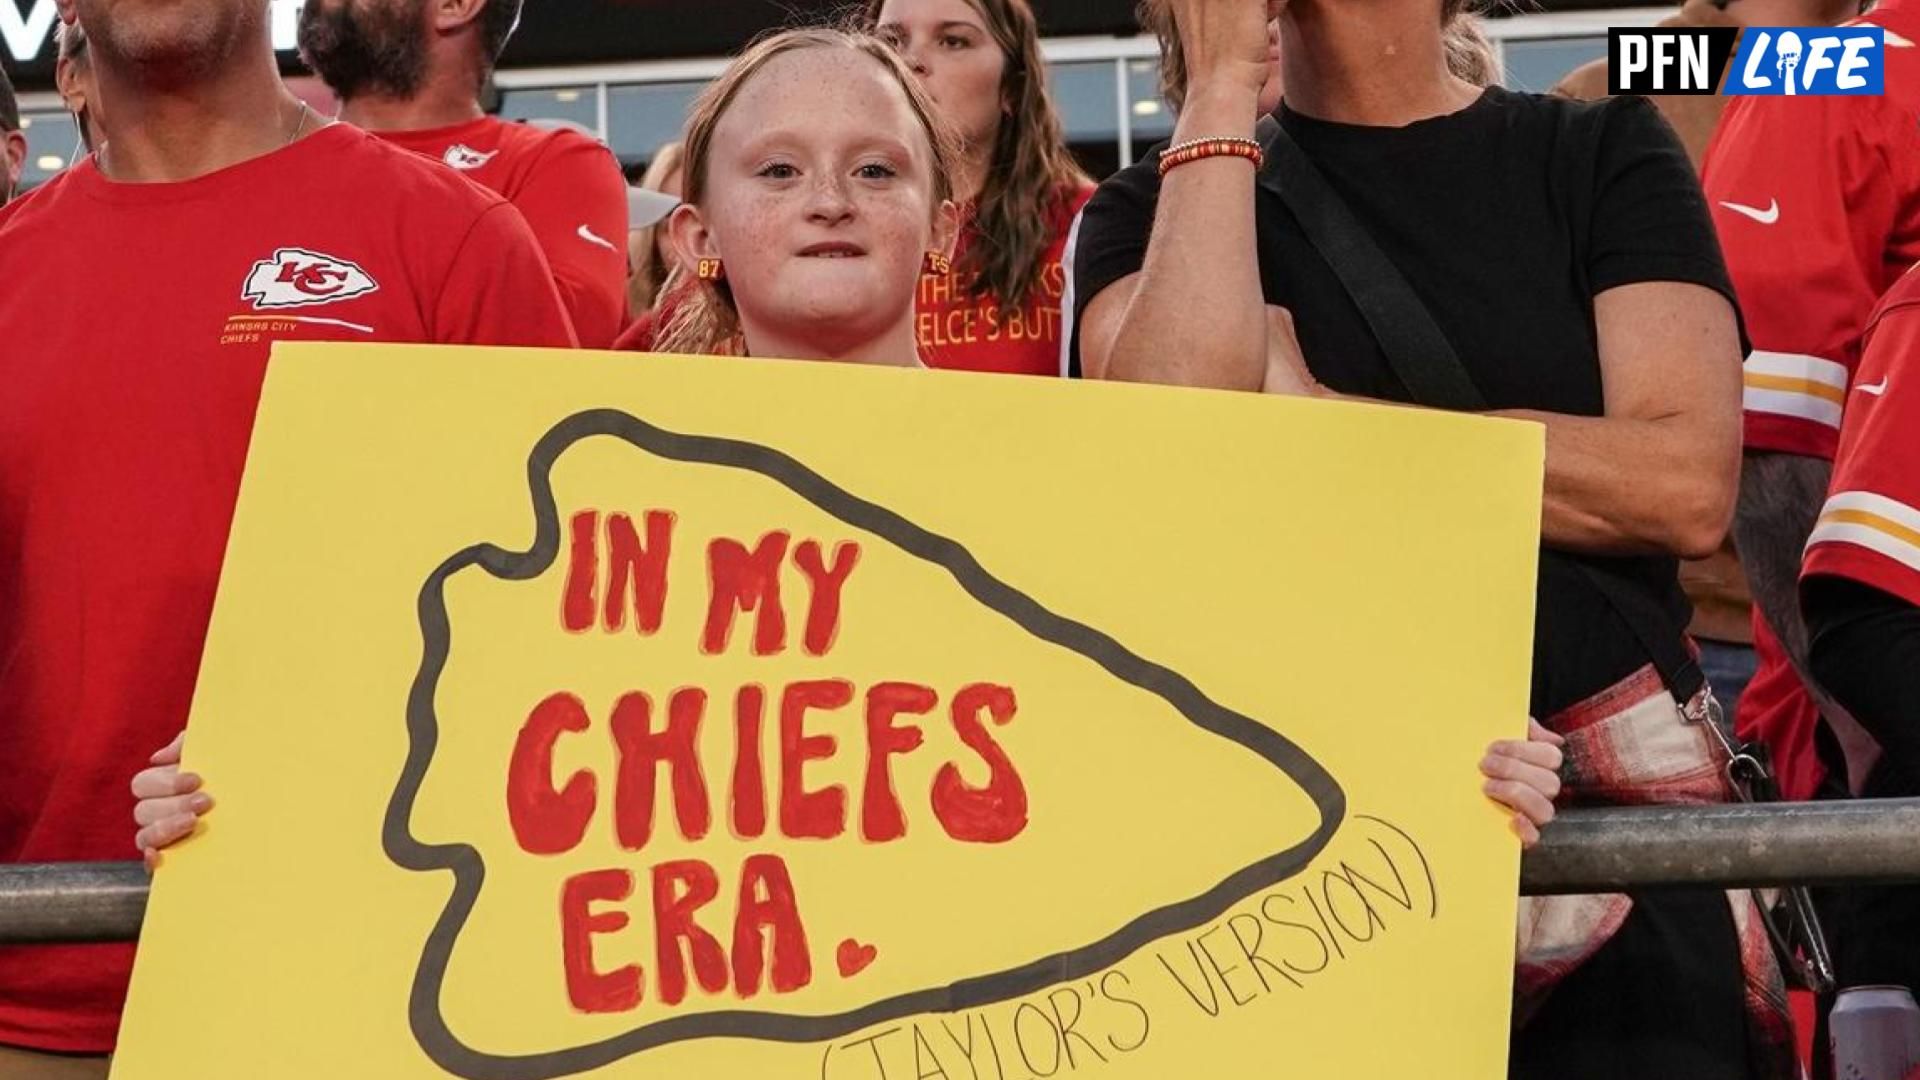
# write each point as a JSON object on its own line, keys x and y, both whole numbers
{"x": 589, "y": 236}
{"x": 1765, "y": 217}
{"x": 1876, "y": 389}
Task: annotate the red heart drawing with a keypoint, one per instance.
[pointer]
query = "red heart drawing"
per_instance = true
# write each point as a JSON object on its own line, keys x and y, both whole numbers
{"x": 854, "y": 957}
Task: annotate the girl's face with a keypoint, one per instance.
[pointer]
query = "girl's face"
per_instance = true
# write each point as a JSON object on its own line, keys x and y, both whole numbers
{"x": 820, "y": 202}
{"x": 948, "y": 45}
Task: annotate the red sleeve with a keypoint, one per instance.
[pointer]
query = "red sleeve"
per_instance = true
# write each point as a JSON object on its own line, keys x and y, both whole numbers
{"x": 1807, "y": 199}
{"x": 644, "y": 334}
{"x": 575, "y": 200}
{"x": 638, "y": 336}
{"x": 1869, "y": 530}
{"x": 498, "y": 290}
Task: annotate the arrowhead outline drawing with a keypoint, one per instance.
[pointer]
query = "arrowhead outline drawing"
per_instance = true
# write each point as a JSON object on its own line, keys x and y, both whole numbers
{"x": 430, "y": 1028}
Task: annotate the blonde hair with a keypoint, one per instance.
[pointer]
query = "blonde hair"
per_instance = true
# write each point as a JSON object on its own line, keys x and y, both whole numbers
{"x": 705, "y": 318}
{"x": 652, "y": 265}
{"x": 1470, "y": 55}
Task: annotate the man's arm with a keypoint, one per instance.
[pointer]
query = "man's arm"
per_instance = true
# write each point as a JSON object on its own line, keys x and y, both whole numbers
{"x": 1781, "y": 496}
{"x": 1866, "y": 649}
{"x": 498, "y": 290}
{"x": 575, "y": 201}
{"x": 1779, "y": 505}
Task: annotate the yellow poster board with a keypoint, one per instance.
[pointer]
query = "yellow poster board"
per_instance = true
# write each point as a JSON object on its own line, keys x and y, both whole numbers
{"x": 578, "y": 714}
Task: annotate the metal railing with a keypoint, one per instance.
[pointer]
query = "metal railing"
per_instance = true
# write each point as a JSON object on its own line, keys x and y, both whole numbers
{"x": 48, "y": 902}
{"x": 1743, "y": 845}
{"x": 1737, "y": 846}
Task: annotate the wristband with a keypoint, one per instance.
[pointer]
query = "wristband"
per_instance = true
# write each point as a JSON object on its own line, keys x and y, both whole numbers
{"x": 1200, "y": 149}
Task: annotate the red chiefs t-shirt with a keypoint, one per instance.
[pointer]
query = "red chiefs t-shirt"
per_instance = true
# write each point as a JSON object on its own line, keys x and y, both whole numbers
{"x": 1817, "y": 202}
{"x": 964, "y": 332}
{"x": 1869, "y": 530}
{"x": 570, "y": 190}
{"x": 136, "y": 321}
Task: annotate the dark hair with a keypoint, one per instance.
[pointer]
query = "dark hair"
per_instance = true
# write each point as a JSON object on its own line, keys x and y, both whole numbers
{"x": 1030, "y": 166}
{"x": 496, "y": 26}
{"x": 9, "y": 105}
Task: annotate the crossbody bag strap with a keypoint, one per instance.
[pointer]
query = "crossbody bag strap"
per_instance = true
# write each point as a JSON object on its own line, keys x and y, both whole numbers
{"x": 1417, "y": 349}
{"x": 1415, "y": 345}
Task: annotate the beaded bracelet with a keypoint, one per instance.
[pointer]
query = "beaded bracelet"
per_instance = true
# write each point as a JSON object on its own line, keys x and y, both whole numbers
{"x": 1199, "y": 149}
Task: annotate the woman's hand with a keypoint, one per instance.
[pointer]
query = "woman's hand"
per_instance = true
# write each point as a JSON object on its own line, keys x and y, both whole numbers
{"x": 1286, "y": 365}
{"x": 1225, "y": 42}
{"x": 1524, "y": 776}
{"x": 170, "y": 805}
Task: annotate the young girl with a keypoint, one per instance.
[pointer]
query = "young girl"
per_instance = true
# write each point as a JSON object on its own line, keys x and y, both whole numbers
{"x": 997, "y": 307}
{"x": 817, "y": 185}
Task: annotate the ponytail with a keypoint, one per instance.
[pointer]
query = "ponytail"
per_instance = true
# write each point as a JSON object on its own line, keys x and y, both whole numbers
{"x": 700, "y": 319}
{"x": 1470, "y": 55}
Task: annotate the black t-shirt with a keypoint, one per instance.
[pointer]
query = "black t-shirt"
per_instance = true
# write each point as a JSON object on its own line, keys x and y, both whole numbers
{"x": 1507, "y": 218}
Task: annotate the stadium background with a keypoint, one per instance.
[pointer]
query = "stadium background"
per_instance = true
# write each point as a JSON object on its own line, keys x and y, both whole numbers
{"x": 626, "y": 69}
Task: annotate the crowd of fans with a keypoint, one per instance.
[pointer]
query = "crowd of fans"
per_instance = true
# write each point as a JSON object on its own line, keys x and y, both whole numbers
{"x": 1350, "y": 207}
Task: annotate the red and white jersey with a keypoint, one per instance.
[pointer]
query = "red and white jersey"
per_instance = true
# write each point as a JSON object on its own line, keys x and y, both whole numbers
{"x": 135, "y": 326}
{"x": 1869, "y": 530}
{"x": 571, "y": 192}
{"x": 1817, "y": 202}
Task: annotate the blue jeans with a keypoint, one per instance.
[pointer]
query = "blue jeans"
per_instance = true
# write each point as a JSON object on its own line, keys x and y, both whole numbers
{"x": 1729, "y": 668}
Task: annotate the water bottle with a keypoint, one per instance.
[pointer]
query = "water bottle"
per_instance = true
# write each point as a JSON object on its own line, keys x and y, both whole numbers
{"x": 1874, "y": 1033}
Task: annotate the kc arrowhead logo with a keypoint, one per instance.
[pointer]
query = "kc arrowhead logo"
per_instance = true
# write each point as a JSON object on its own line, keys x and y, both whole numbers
{"x": 992, "y": 756}
{"x": 296, "y": 277}
{"x": 465, "y": 158}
